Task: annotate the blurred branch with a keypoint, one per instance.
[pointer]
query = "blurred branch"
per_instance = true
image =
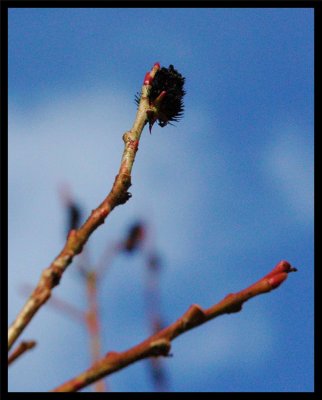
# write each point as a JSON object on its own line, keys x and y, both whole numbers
{"x": 20, "y": 349}
{"x": 111, "y": 251}
{"x": 61, "y": 305}
{"x": 134, "y": 237}
{"x": 160, "y": 343}
{"x": 73, "y": 209}
{"x": 93, "y": 325}
{"x": 67, "y": 308}
{"x": 153, "y": 301}
{"x": 74, "y": 213}
{"x": 77, "y": 238}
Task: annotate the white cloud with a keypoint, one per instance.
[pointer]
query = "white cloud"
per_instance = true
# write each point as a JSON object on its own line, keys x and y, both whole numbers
{"x": 78, "y": 139}
{"x": 288, "y": 164}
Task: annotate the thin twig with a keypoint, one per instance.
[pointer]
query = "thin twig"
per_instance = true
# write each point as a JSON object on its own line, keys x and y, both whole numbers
{"x": 153, "y": 304}
{"x": 20, "y": 349}
{"x": 77, "y": 238}
{"x": 69, "y": 309}
{"x": 60, "y": 305}
{"x": 93, "y": 325}
{"x": 160, "y": 343}
{"x": 105, "y": 261}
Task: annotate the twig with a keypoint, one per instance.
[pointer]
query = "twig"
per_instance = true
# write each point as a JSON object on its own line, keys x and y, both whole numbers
{"x": 153, "y": 302}
{"x": 20, "y": 349}
{"x": 93, "y": 326}
{"x": 69, "y": 309}
{"x": 105, "y": 261}
{"x": 61, "y": 305}
{"x": 77, "y": 238}
{"x": 160, "y": 343}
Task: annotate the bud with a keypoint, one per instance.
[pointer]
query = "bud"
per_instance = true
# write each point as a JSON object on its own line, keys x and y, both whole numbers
{"x": 165, "y": 97}
{"x": 74, "y": 216}
{"x": 134, "y": 237}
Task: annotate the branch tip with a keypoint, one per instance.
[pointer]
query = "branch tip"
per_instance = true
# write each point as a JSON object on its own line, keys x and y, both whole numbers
{"x": 279, "y": 273}
{"x": 20, "y": 349}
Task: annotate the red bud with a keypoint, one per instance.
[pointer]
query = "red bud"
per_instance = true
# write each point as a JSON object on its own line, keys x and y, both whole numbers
{"x": 277, "y": 279}
{"x": 282, "y": 266}
{"x": 147, "y": 79}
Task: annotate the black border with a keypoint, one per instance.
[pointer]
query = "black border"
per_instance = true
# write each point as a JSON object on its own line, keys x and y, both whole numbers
{"x": 5, "y": 5}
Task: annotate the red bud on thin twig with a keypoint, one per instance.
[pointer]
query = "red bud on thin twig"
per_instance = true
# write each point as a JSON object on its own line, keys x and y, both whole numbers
{"x": 279, "y": 273}
{"x": 149, "y": 75}
{"x": 277, "y": 279}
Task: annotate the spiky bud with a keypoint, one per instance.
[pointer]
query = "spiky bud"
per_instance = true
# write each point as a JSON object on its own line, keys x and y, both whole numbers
{"x": 165, "y": 97}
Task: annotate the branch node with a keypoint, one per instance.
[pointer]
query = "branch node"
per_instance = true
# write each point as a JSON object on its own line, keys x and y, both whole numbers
{"x": 160, "y": 347}
{"x": 195, "y": 315}
{"x": 126, "y": 137}
{"x": 235, "y": 306}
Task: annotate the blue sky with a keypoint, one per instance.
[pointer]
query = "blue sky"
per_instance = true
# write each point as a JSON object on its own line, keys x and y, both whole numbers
{"x": 227, "y": 193}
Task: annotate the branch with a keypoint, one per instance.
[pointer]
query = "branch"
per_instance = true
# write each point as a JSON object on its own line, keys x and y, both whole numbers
{"x": 160, "y": 343}
{"x": 20, "y": 349}
{"x": 61, "y": 305}
{"x": 153, "y": 302}
{"x": 93, "y": 324}
{"x": 77, "y": 238}
{"x": 105, "y": 261}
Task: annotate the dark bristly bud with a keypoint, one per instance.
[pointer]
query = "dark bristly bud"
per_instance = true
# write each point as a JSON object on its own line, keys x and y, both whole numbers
{"x": 165, "y": 97}
{"x": 134, "y": 237}
{"x": 74, "y": 215}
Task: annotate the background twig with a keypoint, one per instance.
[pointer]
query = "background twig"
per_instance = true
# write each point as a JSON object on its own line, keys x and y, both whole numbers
{"x": 93, "y": 324}
{"x": 20, "y": 349}
{"x": 153, "y": 307}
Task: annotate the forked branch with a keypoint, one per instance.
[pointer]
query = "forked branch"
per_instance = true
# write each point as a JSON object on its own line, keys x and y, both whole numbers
{"x": 77, "y": 238}
{"x": 21, "y": 349}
